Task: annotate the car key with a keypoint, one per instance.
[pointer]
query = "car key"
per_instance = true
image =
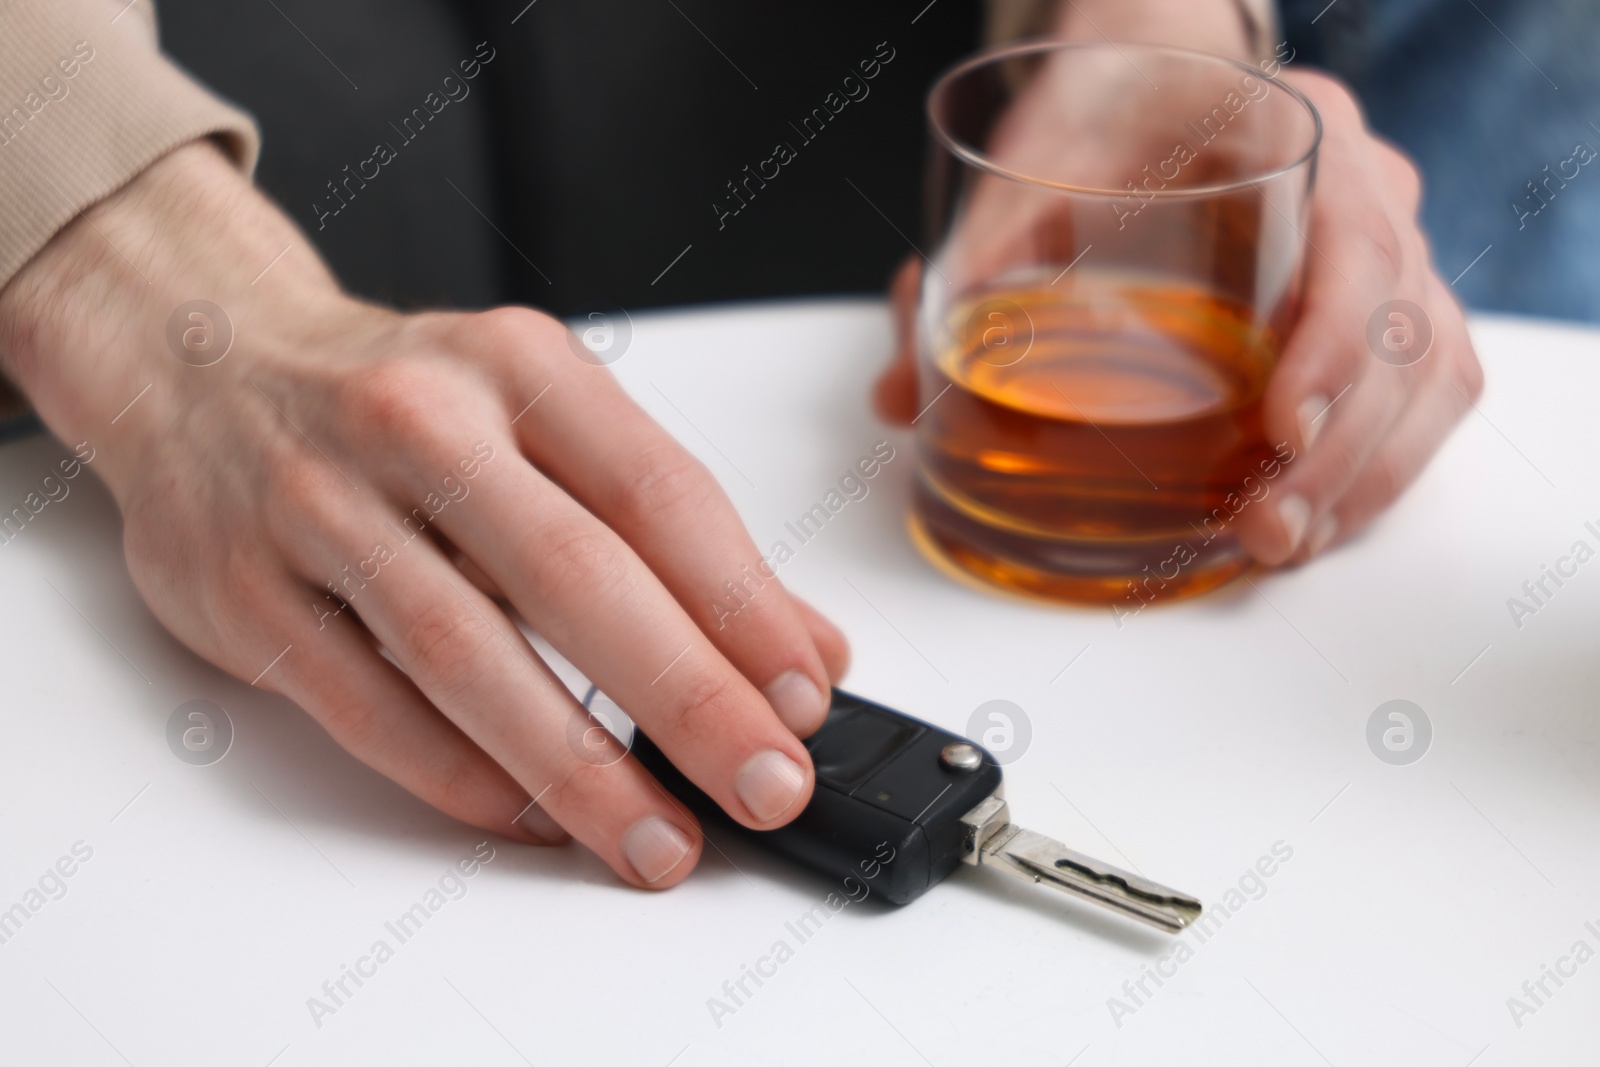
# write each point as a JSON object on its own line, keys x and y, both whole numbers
{"x": 900, "y": 803}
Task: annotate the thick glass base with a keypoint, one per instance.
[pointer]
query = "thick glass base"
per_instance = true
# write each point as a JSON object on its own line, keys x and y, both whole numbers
{"x": 1127, "y": 574}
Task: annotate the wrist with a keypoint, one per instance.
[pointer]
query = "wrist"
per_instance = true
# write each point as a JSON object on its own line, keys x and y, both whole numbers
{"x": 84, "y": 326}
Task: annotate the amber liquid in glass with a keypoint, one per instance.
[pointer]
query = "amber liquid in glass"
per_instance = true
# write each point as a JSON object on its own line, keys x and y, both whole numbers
{"x": 1086, "y": 438}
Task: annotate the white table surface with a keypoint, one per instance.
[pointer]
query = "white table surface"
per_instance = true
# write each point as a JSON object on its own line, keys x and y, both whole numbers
{"x": 1417, "y": 900}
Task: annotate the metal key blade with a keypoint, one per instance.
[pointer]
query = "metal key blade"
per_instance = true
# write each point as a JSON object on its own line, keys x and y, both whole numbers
{"x": 993, "y": 840}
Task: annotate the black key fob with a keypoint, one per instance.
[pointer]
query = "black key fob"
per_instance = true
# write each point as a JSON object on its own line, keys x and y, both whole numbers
{"x": 890, "y": 794}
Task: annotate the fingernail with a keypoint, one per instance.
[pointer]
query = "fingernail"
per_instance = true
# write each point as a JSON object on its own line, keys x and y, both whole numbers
{"x": 654, "y": 847}
{"x": 1310, "y": 415}
{"x": 1327, "y": 526}
{"x": 797, "y": 701}
{"x": 1294, "y": 513}
{"x": 769, "y": 783}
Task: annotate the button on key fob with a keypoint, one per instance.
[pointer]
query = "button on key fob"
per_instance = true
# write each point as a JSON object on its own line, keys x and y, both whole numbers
{"x": 900, "y": 803}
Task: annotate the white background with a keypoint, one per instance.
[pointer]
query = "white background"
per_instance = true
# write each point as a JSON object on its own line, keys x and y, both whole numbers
{"x": 1418, "y": 899}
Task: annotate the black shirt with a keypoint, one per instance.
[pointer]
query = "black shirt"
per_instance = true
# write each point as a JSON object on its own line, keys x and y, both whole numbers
{"x": 578, "y": 153}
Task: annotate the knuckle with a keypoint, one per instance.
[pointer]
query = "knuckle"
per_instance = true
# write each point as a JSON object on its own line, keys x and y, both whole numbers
{"x": 1386, "y": 478}
{"x": 1338, "y": 457}
{"x": 1334, "y": 99}
{"x": 244, "y": 613}
{"x": 1340, "y": 365}
{"x": 398, "y": 401}
{"x": 352, "y": 719}
{"x": 704, "y": 706}
{"x": 302, "y": 491}
{"x": 459, "y": 788}
{"x": 663, "y": 481}
{"x": 1387, "y": 249}
{"x": 444, "y": 645}
{"x": 508, "y": 335}
{"x": 577, "y": 559}
{"x": 248, "y": 580}
{"x": 1407, "y": 176}
{"x": 1320, "y": 364}
{"x": 582, "y": 790}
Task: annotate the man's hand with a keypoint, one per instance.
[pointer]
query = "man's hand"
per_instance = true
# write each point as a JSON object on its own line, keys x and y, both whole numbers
{"x": 347, "y": 479}
{"x": 1362, "y": 428}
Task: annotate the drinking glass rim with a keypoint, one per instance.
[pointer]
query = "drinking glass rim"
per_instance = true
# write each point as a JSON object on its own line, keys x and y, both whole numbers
{"x": 973, "y": 157}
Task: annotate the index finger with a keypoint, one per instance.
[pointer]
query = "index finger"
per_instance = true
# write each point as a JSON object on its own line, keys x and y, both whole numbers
{"x": 592, "y": 439}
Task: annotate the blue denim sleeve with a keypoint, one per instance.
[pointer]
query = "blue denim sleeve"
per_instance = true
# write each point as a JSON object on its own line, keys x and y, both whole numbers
{"x": 1496, "y": 100}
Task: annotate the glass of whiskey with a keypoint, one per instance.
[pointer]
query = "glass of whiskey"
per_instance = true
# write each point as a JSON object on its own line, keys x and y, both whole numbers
{"x": 1118, "y": 245}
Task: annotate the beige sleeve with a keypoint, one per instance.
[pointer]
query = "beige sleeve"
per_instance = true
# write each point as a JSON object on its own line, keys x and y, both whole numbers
{"x": 1009, "y": 20}
{"x": 87, "y": 101}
